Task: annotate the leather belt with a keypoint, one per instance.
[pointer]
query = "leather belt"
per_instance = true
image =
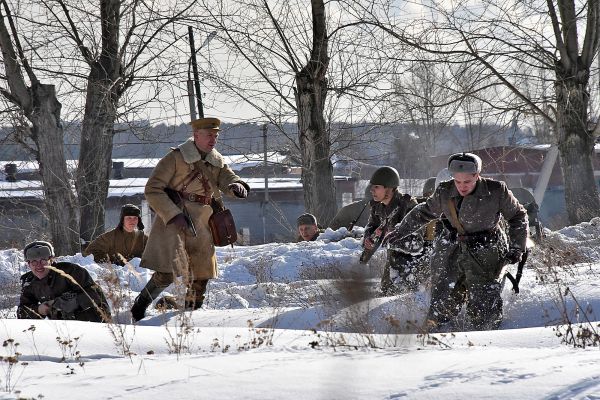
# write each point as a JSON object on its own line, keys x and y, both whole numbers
{"x": 196, "y": 198}
{"x": 480, "y": 236}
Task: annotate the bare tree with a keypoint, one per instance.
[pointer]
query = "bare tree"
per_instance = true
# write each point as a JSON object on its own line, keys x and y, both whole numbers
{"x": 310, "y": 93}
{"x": 292, "y": 63}
{"x": 133, "y": 36}
{"x": 37, "y": 103}
{"x": 109, "y": 60}
{"x": 513, "y": 40}
{"x": 424, "y": 99}
{"x": 279, "y": 66}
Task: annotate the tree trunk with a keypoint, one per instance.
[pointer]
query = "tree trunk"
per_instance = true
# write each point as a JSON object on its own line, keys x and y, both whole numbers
{"x": 315, "y": 146}
{"x": 93, "y": 172}
{"x": 41, "y": 107}
{"x": 576, "y": 146}
{"x": 47, "y": 133}
{"x": 315, "y": 143}
{"x": 98, "y": 125}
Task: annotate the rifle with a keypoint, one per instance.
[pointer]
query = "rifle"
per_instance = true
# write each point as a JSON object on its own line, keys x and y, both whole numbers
{"x": 175, "y": 197}
{"x": 355, "y": 220}
{"x": 190, "y": 222}
{"x": 516, "y": 279}
{"x": 366, "y": 255}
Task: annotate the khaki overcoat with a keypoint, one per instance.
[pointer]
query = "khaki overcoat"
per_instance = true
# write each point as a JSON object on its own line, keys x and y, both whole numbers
{"x": 478, "y": 211}
{"x": 179, "y": 252}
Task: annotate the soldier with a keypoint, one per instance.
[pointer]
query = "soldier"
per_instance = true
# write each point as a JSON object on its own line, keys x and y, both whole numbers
{"x": 472, "y": 249}
{"x": 61, "y": 290}
{"x": 123, "y": 243}
{"x": 388, "y": 207}
{"x": 355, "y": 213}
{"x": 308, "y": 230}
{"x": 184, "y": 187}
{"x": 431, "y": 230}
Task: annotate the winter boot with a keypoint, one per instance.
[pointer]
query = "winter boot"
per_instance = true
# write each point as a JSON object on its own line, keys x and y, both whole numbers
{"x": 167, "y": 303}
{"x": 194, "y": 297}
{"x": 141, "y": 303}
{"x": 191, "y": 305}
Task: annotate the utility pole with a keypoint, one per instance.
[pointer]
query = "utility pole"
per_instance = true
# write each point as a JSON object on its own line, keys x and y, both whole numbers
{"x": 190, "y": 88}
{"x": 196, "y": 77}
{"x": 266, "y": 200}
{"x": 265, "y": 127}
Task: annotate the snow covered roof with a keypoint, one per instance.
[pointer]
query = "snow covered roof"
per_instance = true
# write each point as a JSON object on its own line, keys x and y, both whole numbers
{"x": 135, "y": 186}
{"x": 274, "y": 183}
{"x": 547, "y": 146}
{"x": 236, "y": 162}
{"x": 20, "y": 189}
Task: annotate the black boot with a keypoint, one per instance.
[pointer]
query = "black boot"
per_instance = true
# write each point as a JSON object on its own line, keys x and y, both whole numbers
{"x": 138, "y": 310}
{"x": 191, "y": 305}
{"x": 141, "y": 303}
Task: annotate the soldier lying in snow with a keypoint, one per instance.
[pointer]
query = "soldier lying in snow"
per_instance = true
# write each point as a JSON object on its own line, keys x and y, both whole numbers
{"x": 123, "y": 243}
{"x": 58, "y": 290}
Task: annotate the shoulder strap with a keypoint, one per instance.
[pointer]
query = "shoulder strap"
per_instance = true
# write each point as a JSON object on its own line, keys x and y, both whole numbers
{"x": 454, "y": 217}
{"x": 206, "y": 173}
{"x": 217, "y": 200}
{"x": 188, "y": 179}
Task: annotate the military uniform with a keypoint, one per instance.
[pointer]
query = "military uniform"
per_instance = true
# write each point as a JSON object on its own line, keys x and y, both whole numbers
{"x": 198, "y": 178}
{"x": 67, "y": 300}
{"x": 466, "y": 267}
{"x": 116, "y": 244}
{"x": 400, "y": 268}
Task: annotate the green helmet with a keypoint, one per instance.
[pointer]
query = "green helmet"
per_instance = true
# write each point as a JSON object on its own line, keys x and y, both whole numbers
{"x": 386, "y": 176}
{"x": 429, "y": 186}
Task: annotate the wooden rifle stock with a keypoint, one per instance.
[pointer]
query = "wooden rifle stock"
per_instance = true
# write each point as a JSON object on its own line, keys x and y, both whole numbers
{"x": 366, "y": 254}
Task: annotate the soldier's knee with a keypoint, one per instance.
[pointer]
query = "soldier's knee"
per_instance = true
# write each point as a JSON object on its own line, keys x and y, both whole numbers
{"x": 163, "y": 279}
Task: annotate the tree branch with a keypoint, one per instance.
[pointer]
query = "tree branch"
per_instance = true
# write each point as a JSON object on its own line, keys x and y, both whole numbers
{"x": 589, "y": 49}
{"x": 19, "y": 92}
{"x": 15, "y": 36}
{"x": 73, "y": 32}
{"x": 292, "y": 56}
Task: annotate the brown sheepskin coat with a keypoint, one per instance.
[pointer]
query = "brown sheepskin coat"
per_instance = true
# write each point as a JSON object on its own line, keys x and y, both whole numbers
{"x": 115, "y": 245}
{"x": 169, "y": 250}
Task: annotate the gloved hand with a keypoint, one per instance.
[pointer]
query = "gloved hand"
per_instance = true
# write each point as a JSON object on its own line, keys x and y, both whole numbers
{"x": 238, "y": 190}
{"x": 179, "y": 222}
{"x": 45, "y": 308}
{"x": 513, "y": 255}
{"x": 65, "y": 305}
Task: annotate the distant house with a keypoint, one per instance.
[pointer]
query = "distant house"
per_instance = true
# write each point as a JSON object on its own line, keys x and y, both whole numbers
{"x": 517, "y": 166}
{"x": 520, "y": 166}
{"x": 258, "y": 221}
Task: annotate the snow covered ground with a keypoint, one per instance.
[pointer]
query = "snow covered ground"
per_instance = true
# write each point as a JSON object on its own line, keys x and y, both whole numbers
{"x": 334, "y": 337}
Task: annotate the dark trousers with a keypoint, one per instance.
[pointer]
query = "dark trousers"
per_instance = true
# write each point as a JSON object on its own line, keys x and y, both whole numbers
{"x": 468, "y": 275}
